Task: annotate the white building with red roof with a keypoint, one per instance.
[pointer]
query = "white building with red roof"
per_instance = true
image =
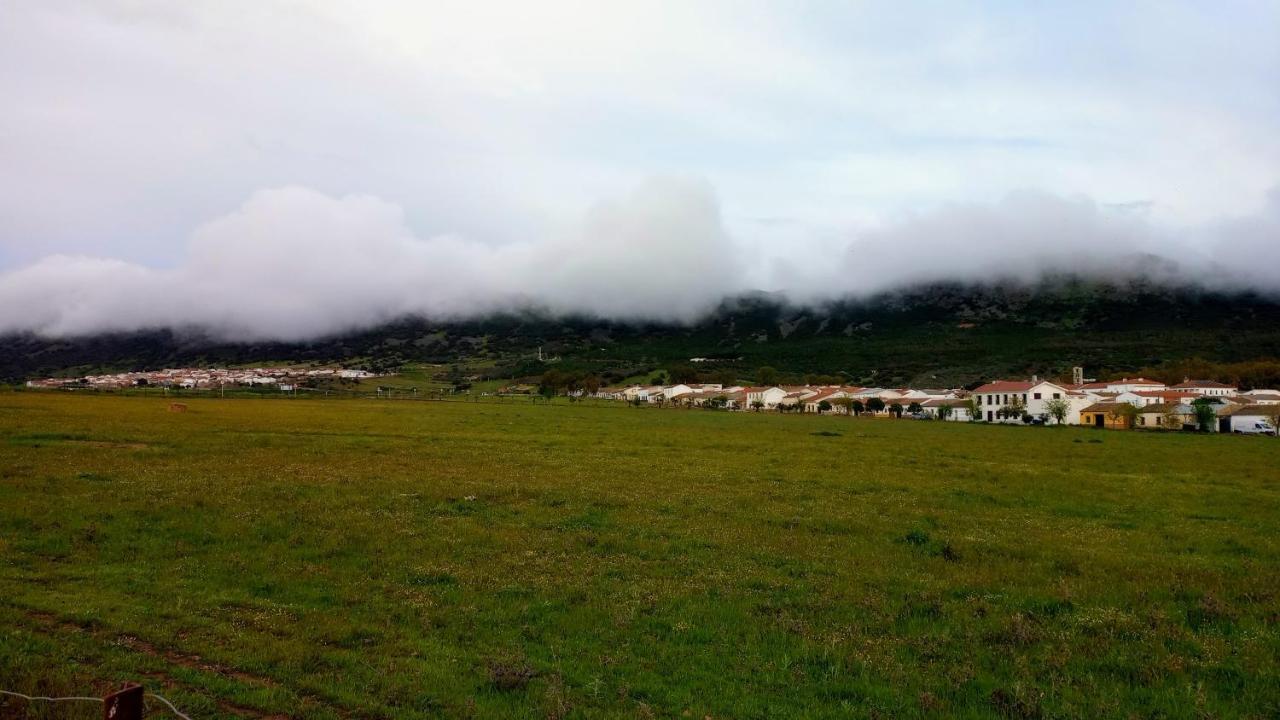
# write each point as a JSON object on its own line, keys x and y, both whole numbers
{"x": 1032, "y": 396}
{"x": 1206, "y": 388}
{"x": 769, "y": 397}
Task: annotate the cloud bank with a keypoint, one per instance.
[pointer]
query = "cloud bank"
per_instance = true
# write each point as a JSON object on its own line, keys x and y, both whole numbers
{"x": 295, "y": 168}
{"x": 293, "y": 263}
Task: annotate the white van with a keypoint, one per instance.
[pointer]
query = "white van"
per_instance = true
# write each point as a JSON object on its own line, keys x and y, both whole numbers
{"x": 1256, "y": 427}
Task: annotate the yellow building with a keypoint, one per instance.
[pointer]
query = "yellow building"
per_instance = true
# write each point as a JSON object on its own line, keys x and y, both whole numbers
{"x": 1110, "y": 415}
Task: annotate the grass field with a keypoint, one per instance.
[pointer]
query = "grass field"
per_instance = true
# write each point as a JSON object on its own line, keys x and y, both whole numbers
{"x": 335, "y": 559}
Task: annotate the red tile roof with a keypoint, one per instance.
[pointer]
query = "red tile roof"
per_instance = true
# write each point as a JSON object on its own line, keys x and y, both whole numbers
{"x": 1000, "y": 386}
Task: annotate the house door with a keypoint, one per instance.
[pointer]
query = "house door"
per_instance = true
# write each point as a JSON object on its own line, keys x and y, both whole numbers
{"x": 1224, "y": 424}
{"x": 1099, "y": 420}
{"x": 990, "y": 415}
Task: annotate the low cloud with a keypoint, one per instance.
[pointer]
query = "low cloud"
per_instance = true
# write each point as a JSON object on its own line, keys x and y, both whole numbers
{"x": 295, "y": 264}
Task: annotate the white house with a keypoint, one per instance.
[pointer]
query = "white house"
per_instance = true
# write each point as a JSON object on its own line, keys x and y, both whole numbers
{"x": 675, "y": 391}
{"x": 767, "y": 396}
{"x": 1032, "y": 396}
{"x": 959, "y": 408}
{"x": 1261, "y": 397}
{"x": 829, "y": 395}
{"x": 1131, "y": 384}
{"x": 1206, "y": 388}
{"x": 629, "y": 393}
{"x": 651, "y": 393}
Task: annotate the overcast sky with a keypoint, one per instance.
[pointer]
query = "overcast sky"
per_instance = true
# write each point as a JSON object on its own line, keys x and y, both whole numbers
{"x": 290, "y": 168}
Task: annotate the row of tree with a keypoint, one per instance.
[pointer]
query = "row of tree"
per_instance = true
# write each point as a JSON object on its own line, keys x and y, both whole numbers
{"x": 555, "y": 382}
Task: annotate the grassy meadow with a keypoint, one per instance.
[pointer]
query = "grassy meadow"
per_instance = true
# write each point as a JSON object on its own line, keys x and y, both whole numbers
{"x": 366, "y": 559}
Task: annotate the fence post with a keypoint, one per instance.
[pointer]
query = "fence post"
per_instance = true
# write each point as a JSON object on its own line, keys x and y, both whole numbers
{"x": 123, "y": 704}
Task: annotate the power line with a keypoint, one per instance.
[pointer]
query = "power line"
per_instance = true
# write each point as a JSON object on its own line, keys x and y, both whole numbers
{"x": 175, "y": 710}
{"x": 78, "y": 698}
{"x": 48, "y": 699}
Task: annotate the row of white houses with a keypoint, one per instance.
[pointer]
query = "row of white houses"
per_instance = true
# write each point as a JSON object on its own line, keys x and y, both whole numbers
{"x": 805, "y": 398}
{"x": 1000, "y": 401}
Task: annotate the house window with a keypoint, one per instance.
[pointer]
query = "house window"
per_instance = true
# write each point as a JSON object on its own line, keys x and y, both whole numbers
{"x": 1037, "y": 396}
{"x": 1057, "y": 395}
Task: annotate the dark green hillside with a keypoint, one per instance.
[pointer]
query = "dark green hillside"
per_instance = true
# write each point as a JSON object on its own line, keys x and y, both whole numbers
{"x": 939, "y": 333}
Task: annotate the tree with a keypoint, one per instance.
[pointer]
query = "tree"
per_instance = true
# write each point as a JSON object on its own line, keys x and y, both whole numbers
{"x": 757, "y": 405}
{"x": 857, "y": 408}
{"x": 727, "y": 378}
{"x": 767, "y": 376}
{"x": 944, "y": 412}
{"x": 823, "y": 406}
{"x": 682, "y": 373}
{"x": 591, "y": 384}
{"x": 572, "y": 383}
{"x": 1058, "y": 409}
{"x": 552, "y": 381}
{"x": 974, "y": 406}
{"x": 660, "y": 399}
{"x": 1014, "y": 409}
{"x": 845, "y": 404}
{"x": 1127, "y": 413}
{"x": 1170, "y": 418}
{"x": 915, "y": 408}
{"x": 896, "y": 410}
{"x": 875, "y": 405}
{"x": 1205, "y": 415}
{"x": 1272, "y": 413}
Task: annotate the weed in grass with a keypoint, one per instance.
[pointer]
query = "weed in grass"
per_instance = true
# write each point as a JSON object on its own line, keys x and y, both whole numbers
{"x": 509, "y": 675}
{"x": 917, "y": 537}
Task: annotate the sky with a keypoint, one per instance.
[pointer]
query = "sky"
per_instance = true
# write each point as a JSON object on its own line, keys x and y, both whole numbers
{"x": 293, "y": 168}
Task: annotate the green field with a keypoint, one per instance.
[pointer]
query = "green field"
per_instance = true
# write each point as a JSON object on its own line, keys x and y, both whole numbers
{"x": 343, "y": 558}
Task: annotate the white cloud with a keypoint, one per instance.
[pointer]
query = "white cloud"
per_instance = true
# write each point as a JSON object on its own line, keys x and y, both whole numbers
{"x": 293, "y": 263}
{"x": 450, "y": 141}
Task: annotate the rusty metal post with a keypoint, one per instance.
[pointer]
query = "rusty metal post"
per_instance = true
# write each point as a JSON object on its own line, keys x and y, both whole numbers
{"x": 123, "y": 704}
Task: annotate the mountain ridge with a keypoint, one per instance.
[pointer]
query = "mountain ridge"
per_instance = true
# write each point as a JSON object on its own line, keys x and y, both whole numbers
{"x": 937, "y": 331}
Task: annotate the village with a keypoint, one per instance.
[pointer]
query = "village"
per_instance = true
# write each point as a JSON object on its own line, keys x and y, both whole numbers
{"x": 283, "y": 378}
{"x": 1125, "y": 403}
{"x": 1120, "y": 404}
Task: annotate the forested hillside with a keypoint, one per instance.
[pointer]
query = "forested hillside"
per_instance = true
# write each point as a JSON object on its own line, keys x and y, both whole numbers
{"x": 944, "y": 333}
